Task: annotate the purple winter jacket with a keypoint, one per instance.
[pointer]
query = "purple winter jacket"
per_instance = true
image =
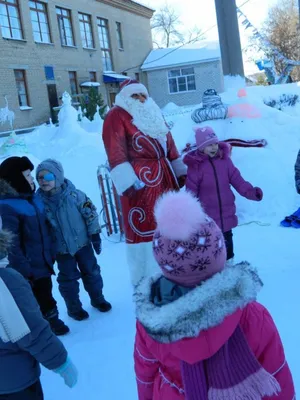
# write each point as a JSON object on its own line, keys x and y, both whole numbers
{"x": 210, "y": 179}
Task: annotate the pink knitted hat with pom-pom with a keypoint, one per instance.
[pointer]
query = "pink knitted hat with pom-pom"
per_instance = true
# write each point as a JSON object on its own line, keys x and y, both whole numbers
{"x": 205, "y": 136}
{"x": 188, "y": 245}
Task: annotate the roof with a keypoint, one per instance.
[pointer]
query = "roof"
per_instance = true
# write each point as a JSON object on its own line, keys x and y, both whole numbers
{"x": 133, "y": 6}
{"x": 111, "y": 77}
{"x": 90, "y": 84}
{"x": 195, "y": 53}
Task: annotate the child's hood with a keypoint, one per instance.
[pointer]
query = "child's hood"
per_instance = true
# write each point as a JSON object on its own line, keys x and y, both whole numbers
{"x": 198, "y": 324}
{"x": 196, "y": 156}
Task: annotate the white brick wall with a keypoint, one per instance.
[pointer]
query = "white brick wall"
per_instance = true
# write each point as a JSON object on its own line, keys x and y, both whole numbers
{"x": 33, "y": 57}
{"x": 207, "y": 76}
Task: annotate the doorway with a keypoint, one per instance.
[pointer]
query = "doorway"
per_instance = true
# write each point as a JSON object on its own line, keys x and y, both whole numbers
{"x": 53, "y": 101}
{"x": 112, "y": 99}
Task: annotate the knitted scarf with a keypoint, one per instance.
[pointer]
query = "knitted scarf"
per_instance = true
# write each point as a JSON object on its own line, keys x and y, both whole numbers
{"x": 233, "y": 373}
{"x": 13, "y": 326}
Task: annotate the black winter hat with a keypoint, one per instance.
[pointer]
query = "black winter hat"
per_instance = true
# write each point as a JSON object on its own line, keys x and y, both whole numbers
{"x": 11, "y": 171}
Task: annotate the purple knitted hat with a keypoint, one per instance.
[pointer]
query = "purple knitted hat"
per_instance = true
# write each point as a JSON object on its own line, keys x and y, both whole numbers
{"x": 205, "y": 136}
{"x": 188, "y": 245}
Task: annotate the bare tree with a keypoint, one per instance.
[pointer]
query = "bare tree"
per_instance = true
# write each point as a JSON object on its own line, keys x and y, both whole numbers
{"x": 168, "y": 31}
{"x": 166, "y": 23}
{"x": 282, "y": 30}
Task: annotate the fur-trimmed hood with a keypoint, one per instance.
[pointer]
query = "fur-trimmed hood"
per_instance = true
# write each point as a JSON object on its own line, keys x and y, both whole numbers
{"x": 6, "y": 239}
{"x": 218, "y": 301}
{"x": 196, "y": 156}
{"x": 7, "y": 190}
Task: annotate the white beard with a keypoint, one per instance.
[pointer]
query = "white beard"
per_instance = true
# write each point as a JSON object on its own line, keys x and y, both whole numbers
{"x": 147, "y": 117}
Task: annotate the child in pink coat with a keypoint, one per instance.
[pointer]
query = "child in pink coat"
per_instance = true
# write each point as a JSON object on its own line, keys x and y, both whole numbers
{"x": 200, "y": 333}
{"x": 211, "y": 173}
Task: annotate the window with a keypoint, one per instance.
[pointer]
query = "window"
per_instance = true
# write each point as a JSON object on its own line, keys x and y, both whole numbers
{"x": 73, "y": 82}
{"x": 181, "y": 80}
{"x": 49, "y": 73}
{"x": 93, "y": 76}
{"x": 65, "y": 26}
{"x": 21, "y": 87}
{"x": 39, "y": 20}
{"x": 86, "y": 31}
{"x": 10, "y": 19}
{"x": 137, "y": 76}
{"x": 105, "y": 44}
{"x": 119, "y": 35}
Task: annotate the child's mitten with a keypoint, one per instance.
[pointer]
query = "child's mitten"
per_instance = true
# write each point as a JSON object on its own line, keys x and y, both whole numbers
{"x": 96, "y": 242}
{"x": 68, "y": 372}
{"x": 258, "y": 193}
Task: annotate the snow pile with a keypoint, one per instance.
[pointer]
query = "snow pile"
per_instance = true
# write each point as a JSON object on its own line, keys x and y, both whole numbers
{"x": 271, "y": 168}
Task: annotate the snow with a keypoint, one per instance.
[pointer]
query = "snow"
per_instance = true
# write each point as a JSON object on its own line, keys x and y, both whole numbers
{"x": 102, "y": 347}
{"x": 90, "y": 84}
{"x": 191, "y": 54}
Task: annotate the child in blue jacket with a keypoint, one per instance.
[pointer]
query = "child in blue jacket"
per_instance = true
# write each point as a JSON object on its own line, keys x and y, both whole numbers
{"x": 76, "y": 231}
{"x": 26, "y": 340}
{"x": 31, "y": 254}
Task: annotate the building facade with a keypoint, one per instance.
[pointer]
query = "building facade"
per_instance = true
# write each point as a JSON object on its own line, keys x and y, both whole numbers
{"x": 181, "y": 76}
{"x": 51, "y": 46}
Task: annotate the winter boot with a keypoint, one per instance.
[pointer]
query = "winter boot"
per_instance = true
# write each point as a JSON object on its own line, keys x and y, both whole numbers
{"x": 102, "y": 306}
{"x": 289, "y": 221}
{"x": 57, "y": 325}
{"x": 79, "y": 315}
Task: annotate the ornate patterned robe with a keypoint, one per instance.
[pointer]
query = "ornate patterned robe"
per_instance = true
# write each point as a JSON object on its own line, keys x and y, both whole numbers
{"x": 132, "y": 155}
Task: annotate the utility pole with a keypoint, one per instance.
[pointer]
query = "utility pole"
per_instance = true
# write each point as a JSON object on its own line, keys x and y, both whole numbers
{"x": 229, "y": 37}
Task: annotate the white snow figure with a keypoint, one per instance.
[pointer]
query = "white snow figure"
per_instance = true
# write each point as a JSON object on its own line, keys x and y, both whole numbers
{"x": 6, "y": 115}
{"x": 69, "y": 131}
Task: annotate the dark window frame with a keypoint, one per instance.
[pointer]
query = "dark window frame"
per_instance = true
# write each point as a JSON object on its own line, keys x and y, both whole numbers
{"x": 16, "y": 5}
{"x": 73, "y": 80}
{"x": 103, "y": 27}
{"x": 93, "y": 76}
{"x": 120, "y": 35}
{"x": 44, "y": 12}
{"x": 86, "y": 22}
{"x": 62, "y": 28}
{"x": 24, "y": 81}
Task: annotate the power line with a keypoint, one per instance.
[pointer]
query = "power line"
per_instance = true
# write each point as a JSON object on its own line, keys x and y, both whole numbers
{"x": 179, "y": 47}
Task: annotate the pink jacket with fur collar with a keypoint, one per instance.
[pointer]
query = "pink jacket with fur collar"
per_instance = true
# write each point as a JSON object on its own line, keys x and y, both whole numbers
{"x": 210, "y": 179}
{"x": 196, "y": 326}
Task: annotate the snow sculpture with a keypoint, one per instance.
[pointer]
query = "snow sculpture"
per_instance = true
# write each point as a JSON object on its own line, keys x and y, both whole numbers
{"x": 13, "y": 145}
{"x": 6, "y": 115}
{"x": 212, "y": 108}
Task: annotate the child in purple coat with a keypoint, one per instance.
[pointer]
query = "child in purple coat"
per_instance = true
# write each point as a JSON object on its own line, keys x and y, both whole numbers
{"x": 210, "y": 175}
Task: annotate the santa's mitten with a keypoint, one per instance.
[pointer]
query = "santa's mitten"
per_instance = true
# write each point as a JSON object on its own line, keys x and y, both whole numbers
{"x": 181, "y": 181}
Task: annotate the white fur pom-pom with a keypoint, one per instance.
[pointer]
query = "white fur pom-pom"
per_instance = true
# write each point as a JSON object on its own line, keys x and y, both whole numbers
{"x": 178, "y": 215}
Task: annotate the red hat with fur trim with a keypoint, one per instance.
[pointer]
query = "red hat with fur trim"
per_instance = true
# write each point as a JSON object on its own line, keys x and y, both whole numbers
{"x": 132, "y": 86}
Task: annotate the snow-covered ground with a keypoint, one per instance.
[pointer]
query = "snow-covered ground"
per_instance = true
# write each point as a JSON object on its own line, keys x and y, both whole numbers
{"x": 102, "y": 347}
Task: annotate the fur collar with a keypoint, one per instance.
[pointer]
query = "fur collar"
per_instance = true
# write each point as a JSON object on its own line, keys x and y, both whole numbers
{"x": 6, "y": 239}
{"x": 202, "y": 308}
{"x": 196, "y": 156}
{"x": 7, "y": 190}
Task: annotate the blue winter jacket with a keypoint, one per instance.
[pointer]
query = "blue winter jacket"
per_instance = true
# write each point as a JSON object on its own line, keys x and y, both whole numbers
{"x": 32, "y": 251}
{"x": 72, "y": 216}
{"x": 19, "y": 365}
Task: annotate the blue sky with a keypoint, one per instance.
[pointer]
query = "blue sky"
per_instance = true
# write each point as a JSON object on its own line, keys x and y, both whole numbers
{"x": 202, "y": 13}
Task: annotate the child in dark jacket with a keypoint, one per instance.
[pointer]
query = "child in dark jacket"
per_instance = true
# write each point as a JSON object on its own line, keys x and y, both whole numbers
{"x": 31, "y": 254}
{"x": 76, "y": 230}
{"x": 26, "y": 339}
{"x": 211, "y": 173}
{"x": 200, "y": 332}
